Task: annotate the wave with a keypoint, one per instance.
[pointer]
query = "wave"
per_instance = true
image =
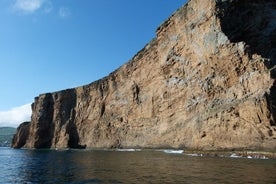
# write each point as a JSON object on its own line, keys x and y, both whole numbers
{"x": 234, "y": 155}
{"x": 248, "y": 156}
{"x": 173, "y": 151}
{"x": 194, "y": 155}
{"x": 226, "y": 155}
{"x": 131, "y": 149}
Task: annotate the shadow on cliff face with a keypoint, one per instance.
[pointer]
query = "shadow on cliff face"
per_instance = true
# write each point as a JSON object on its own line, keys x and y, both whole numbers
{"x": 58, "y": 109}
{"x": 253, "y": 22}
{"x": 272, "y": 106}
{"x": 65, "y": 106}
{"x": 74, "y": 137}
{"x": 45, "y": 126}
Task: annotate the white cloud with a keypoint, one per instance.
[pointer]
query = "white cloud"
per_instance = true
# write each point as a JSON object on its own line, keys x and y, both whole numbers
{"x": 15, "y": 116}
{"x": 26, "y": 7}
{"x": 64, "y": 12}
{"x": 30, "y": 6}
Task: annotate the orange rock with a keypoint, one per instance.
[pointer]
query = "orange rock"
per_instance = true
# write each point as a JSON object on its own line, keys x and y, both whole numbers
{"x": 207, "y": 81}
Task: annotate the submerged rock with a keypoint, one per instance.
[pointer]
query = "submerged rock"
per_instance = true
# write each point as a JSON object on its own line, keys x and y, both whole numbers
{"x": 207, "y": 81}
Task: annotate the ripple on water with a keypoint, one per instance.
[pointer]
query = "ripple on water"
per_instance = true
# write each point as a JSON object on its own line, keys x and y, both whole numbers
{"x": 129, "y": 166}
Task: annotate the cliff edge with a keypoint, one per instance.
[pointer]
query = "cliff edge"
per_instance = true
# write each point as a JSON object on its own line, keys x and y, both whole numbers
{"x": 207, "y": 81}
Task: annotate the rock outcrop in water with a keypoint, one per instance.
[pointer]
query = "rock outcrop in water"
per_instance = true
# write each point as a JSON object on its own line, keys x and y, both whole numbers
{"x": 207, "y": 81}
{"x": 22, "y": 134}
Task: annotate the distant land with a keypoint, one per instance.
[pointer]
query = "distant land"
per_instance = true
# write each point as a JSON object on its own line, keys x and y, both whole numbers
{"x": 6, "y": 135}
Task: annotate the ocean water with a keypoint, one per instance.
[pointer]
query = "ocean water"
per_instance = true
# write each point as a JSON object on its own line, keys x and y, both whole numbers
{"x": 129, "y": 166}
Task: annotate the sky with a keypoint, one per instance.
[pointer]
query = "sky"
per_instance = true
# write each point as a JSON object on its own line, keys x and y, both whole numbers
{"x": 50, "y": 45}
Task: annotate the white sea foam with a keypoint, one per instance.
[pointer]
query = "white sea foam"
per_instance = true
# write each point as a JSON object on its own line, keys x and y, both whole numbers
{"x": 249, "y": 156}
{"x": 264, "y": 158}
{"x": 173, "y": 151}
{"x": 194, "y": 155}
{"x": 235, "y": 156}
{"x": 128, "y": 149}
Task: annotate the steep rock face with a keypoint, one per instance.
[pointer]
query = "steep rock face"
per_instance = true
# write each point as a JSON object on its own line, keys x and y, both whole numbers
{"x": 205, "y": 82}
{"x": 21, "y": 135}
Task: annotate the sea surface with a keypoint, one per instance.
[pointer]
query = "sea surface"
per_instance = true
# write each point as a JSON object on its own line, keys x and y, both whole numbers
{"x": 129, "y": 166}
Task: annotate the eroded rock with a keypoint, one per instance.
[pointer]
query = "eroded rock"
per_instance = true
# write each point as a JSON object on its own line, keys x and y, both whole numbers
{"x": 207, "y": 81}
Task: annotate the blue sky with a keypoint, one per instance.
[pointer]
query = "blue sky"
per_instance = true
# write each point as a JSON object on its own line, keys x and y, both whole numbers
{"x": 50, "y": 45}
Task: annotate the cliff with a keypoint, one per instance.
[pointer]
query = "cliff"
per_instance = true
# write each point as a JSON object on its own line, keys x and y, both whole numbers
{"x": 207, "y": 81}
{"x": 21, "y": 136}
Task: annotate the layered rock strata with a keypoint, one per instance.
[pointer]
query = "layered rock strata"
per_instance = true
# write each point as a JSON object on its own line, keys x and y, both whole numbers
{"x": 207, "y": 81}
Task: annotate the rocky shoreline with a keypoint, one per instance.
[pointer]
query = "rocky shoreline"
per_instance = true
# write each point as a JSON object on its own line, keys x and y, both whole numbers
{"x": 233, "y": 154}
{"x": 248, "y": 154}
